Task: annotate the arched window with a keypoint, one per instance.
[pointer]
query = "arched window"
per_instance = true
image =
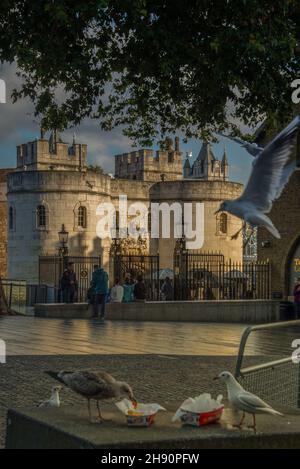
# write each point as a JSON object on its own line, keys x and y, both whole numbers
{"x": 223, "y": 223}
{"x": 11, "y": 219}
{"x": 41, "y": 216}
{"x": 82, "y": 217}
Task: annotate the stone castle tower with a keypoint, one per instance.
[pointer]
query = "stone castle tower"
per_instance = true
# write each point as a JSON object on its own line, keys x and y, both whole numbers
{"x": 207, "y": 166}
{"x": 44, "y": 154}
{"x": 53, "y": 186}
{"x": 147, "y": 165}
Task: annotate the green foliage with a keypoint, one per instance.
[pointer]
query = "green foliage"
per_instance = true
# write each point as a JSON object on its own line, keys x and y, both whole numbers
{"x": 154, "y": 66}
{"x": 95, "y": 168}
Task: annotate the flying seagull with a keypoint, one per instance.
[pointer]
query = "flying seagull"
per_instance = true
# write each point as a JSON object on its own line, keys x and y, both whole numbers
{"x": 54, "y": 400}
{"x": 270, "y": 173}
{"x": 252, "y": 148}
{"x": 245, "y": 401}
{"x": 98, "y": 386}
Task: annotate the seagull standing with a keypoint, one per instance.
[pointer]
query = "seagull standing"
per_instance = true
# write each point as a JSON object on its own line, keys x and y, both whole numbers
{"x": 54, "y": 400}
{"x": 243, "y": 400}
{"x": 94, "y": 386}
{"x": 270, "y": 173}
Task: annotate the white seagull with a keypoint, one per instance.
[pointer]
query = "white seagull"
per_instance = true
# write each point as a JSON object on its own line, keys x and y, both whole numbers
{"x": 54, "y": 400}
{"x": 252, "y": 148}
{"x": 98, "y": 386}
{"x": 270, "y": 173}
{"x": 243, "y": 400}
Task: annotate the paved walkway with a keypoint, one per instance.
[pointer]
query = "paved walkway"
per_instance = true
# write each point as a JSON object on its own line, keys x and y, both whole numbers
{"x": 38, "y": 336}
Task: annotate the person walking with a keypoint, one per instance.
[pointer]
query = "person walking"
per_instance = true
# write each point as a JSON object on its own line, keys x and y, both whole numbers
{"x": 99, "y": 290}
{"x": 167, "y": 290}
{"x": 139, "y": 290}
{"x": 297, "y": 298}
{"x": 128, "y": 291}
{"x": 117, "y": 292}
{"x": 69, "y": 284}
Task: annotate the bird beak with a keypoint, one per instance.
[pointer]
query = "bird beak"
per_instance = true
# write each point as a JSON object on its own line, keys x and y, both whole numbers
{"x": 216, "y": 377}
{"x": 134, "y": 401}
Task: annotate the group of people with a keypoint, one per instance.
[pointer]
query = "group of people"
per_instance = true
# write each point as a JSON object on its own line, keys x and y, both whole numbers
{"x": 99, "y": 293}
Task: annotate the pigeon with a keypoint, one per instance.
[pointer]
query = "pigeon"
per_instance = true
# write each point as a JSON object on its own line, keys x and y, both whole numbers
{"x": 98, "y": 386}
{"x": 243, "y": 400}
{"x": 252, "y": 148}
{"x": 270, "y": 173}
{"x": 54, "y": 400}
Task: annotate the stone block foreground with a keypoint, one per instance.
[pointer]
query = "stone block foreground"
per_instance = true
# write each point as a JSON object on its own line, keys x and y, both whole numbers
{"x": 69, "y": 428}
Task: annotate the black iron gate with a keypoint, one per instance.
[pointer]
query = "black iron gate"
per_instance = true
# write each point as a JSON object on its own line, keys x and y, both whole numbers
{"x": 127, "y": 266}
{"x": 201, "y": 276}
{"x": 51, "y": 269}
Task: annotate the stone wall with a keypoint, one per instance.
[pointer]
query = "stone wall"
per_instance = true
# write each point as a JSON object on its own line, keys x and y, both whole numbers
{"x": 244, "y": 311}
{"x": 210, "y": 193}
{"x": 285, "y": 216}
{"x": 3, "y": 223}
{"x": 63, "y": 192}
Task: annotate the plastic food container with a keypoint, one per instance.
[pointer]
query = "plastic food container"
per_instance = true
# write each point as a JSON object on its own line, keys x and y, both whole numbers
{"x": 142, "y": 415}
{"x": 201, "y": 418}
{"x": 199, "y": 411}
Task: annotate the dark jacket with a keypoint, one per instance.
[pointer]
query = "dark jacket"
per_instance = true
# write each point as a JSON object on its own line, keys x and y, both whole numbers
{"x": 167, "y": 290}
{"x": 68, "y": 280}
{"x": 100, "y": 282}
{"x": 140, "y": 291}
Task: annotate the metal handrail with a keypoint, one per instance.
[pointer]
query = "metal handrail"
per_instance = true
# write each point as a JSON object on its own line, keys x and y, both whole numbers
{"x": 274, "y": 325}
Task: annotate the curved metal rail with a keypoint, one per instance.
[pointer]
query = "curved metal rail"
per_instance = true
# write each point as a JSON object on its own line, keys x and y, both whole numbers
{"x": 279, "y": 379}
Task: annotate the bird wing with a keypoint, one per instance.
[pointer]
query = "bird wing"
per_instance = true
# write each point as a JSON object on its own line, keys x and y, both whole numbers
{"x": 253, "y": 150}
{"x": 270, "y": 174}
{"x": 106, "y": 377}
{"x": 87, "y": 383}
{"x": 251, "y": 401}
{"x": 235, "y": 139}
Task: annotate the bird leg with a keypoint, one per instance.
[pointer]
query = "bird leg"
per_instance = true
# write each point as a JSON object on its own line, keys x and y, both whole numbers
{"x": 254, "y": 423}
{"x": 89, "y": 409}
{"x": 239, "y": 425}
{"x": 235, "y": 236}
{"x": 100, "y": 418}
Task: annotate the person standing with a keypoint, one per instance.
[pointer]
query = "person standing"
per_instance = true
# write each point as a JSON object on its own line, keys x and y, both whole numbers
{"x": 128, "y": 291}
{"x": 117, "y": 292}
{"x": 68, "y": 284}
{"x": 139, "y": 290}
{"x": 99, "y": 290}
{"x": 297, "y": 298}
{"x": 167, "y": 290}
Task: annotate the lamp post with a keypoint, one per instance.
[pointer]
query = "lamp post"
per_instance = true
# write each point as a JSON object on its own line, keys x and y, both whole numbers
{"x": 63, "y": 237}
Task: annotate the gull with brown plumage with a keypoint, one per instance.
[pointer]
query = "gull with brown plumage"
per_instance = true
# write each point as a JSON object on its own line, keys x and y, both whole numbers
{"x": 97, "y": 386}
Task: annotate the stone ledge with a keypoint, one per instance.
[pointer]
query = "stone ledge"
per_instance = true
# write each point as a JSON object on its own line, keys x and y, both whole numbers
{"x": 232, "y": 311}
{"x": 68, "y": 428}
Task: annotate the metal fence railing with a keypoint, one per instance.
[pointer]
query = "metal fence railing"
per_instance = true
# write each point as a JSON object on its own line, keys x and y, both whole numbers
{"x": 20, "y": 295}
{"x": 276, "y": 381}
{"x": 200, "y": 276}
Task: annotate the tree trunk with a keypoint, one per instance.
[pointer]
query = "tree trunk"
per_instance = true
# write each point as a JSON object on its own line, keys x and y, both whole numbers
{"x": 4, "y": 309}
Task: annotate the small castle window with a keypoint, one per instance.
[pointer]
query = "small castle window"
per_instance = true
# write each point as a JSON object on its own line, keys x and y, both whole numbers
{"x": 41, "y": 216}
{"x": 82, "y": 217}
{"x": 11, "y": 219}
{"x": 223, "y": 223}
{"x": 149, "y": 223}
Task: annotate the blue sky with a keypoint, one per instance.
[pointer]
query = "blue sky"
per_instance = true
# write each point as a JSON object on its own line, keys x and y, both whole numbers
{"x": 17, "y": 126}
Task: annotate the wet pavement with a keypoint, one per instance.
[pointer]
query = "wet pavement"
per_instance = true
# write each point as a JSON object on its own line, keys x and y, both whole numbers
{"x": 38, "y": 336}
